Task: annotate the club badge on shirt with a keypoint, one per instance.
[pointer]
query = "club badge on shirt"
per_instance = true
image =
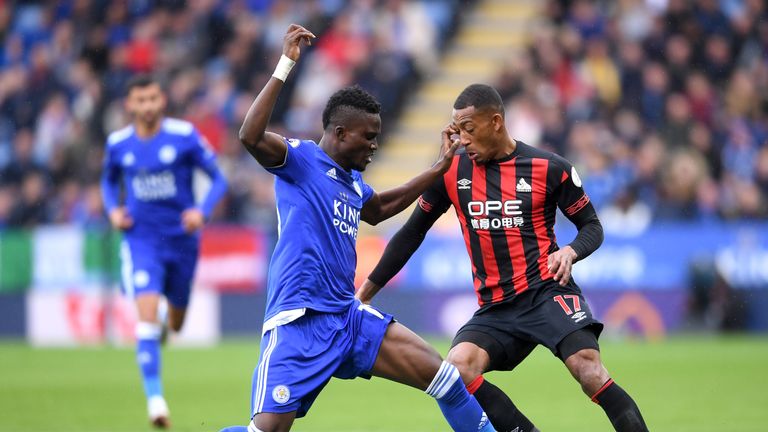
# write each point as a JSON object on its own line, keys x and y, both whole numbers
{"x": 167, "y": 154}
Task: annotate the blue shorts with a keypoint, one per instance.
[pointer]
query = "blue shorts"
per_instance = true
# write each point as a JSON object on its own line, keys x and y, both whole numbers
{"x": 162, "y": 266}
{"x": 299, "y": 358}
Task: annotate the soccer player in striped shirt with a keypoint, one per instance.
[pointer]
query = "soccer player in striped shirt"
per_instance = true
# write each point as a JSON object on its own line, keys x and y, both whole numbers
{"x": 314, "y": 328}
{"x": 154, "y": 159}
{"x": 505, "y": 194}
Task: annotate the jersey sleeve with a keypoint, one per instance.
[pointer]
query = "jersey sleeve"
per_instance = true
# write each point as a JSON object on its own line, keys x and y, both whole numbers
{"x": 110, "y": 179}
{"x": 575, "y": 204}
{"x": 205, "y": 158}
{"x": 570, "y": 195}
{"x": 365, "y": 189}
{"x": 299, "y": 160}
{"x": 435, "y": 199}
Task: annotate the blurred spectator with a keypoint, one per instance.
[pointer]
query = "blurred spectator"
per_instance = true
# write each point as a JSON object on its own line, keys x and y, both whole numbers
{"x": 23, "y": 160}
{"x": 713, "y": 303}
{"x": 626, "y": 216}
{"x": 31, "y": 208}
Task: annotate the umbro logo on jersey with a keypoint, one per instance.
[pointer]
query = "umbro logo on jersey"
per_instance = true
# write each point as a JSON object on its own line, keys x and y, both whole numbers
{"x": 464, "y": 183}
{"x": 578, "y": 316}
{"x": 332, "y": 173}
{"x": 523, "y": 186}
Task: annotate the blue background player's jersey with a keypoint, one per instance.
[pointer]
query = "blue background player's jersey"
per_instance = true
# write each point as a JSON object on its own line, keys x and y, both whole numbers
{"x": 157, "y": 176}
{"x": 318, "y": 204}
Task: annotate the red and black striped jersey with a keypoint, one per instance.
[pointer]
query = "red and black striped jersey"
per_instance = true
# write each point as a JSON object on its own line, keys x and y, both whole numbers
{"x": 506, "y": 209}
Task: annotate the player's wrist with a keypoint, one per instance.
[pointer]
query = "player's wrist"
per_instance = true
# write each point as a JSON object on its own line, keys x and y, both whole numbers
{"x": 283, "y": 68}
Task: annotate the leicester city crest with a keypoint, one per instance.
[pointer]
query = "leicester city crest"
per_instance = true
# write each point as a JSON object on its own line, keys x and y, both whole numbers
{"x": 167, "y": 154}
{"x": 128, "y": 159}
{"x": 281, "y": 394}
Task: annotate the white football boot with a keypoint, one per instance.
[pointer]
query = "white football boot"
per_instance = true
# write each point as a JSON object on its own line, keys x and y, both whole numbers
{"x": 159, "y": 415}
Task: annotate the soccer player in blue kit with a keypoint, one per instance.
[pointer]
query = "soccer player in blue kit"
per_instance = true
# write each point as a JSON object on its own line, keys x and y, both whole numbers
{"x": 314, "y": 328}
{"x": 154, "y": 158}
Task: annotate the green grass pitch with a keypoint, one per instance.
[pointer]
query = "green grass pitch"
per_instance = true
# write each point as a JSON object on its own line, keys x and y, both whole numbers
{"x": 681, "y": 384}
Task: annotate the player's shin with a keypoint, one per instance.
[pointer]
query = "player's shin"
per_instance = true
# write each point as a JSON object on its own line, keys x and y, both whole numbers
{"x": 499, "y": 407}
{"x": 459, "y": 408}
{"x": 622, "y": 411}
{"x": 148, "y": 357}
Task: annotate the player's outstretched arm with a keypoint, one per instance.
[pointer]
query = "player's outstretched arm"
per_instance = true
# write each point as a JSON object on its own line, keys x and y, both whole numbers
{"x": 384, "y": 205}
{"x": 268, "y": 148}
{"x": 399, "y": 250}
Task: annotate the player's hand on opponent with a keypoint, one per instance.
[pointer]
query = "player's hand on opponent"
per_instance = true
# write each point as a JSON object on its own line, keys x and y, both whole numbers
{"x": 120, "y": 219}
{"x": 292, "y": 41}
{"x": 560, "y": 264}
{"x": 450, "y": 143}
{"x": 366, "y": 291}
{"x": 192, "y": 219}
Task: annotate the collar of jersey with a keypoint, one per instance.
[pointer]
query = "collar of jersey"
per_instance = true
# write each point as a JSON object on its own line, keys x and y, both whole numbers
{"x": 341, "y": 173}
{"x": 510, "y": 156}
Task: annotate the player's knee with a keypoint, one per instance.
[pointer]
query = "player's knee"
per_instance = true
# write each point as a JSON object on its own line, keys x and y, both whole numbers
{"x": 269, "y": 423}
{"x": 466, "y": 362}
{"x": 176, "y": 325}
{"x": 176, "y": 319}
{"x": 586, "y": 367}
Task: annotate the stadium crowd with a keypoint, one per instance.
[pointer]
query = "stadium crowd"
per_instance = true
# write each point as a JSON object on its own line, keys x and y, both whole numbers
{"x": 661, "y": 104}
{"x": 64, "y": 64}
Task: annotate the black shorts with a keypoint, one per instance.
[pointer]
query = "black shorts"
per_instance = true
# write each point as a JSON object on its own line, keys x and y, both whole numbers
{"x": 508, "y": 332}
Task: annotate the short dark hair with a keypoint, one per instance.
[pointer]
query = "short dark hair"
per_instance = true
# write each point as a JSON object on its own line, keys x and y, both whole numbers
{"x": 140, "y": 80}
{"x": 480, "y": 96}
{"x": 353, "y": 97}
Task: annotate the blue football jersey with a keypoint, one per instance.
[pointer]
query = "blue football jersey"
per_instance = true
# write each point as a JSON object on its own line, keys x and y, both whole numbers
{"x": 318, "y": 205}
{"x": 157, "y": 176}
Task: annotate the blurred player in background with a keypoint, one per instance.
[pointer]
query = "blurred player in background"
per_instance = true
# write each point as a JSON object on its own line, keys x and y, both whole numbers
{"x": 314, "y": 328}
{"x": 505, "y": 194}
{"x": 154, "y": 159}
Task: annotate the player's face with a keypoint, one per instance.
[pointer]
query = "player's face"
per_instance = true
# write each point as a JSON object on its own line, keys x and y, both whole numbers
{"x": 359, "y": 142}
{"x": 146, "y": 104}
{"x": 477, "y": 133}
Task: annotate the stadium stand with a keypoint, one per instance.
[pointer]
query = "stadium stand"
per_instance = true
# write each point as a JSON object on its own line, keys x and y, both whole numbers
{"x": 661, "y": 105}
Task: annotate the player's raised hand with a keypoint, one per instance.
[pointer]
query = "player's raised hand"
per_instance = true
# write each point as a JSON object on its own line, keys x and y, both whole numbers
{"x": 450, "y": 143}
{"x": 120, "y": 219}
{"x": 292, "y": 41}
{"x": 560, "y": 264}
{"x": 192, "y": 219}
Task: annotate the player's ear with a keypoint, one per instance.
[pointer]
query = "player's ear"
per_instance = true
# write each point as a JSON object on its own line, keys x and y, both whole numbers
{"x": 340, "y": 132}
{"x": 497, "y": 121}
{"x": 127, "y": 105}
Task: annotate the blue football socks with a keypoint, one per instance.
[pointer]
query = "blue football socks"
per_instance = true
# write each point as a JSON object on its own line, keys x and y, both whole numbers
{"x": 148, "y": 357}
{"x": 459, "y": 408}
